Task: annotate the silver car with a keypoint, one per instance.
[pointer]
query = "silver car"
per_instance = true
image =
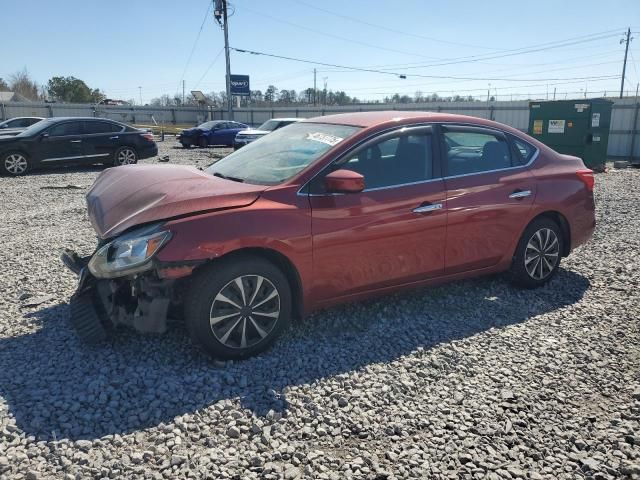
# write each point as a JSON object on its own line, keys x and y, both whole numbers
{"x": 244, "y": 137}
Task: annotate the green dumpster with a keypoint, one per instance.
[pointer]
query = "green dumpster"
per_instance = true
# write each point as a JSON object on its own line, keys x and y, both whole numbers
{"x": 574, "y": 127}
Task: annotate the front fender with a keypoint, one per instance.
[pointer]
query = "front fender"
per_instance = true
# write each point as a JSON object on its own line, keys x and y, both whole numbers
{"x": 266, "y": 224}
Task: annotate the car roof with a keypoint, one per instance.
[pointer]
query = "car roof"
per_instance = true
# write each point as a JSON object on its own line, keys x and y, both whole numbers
{"x": 80, "y": 118}
{"x": 20, "y": 118}
{"x": 375, "y": 118}
{"x": 291, "y": 119}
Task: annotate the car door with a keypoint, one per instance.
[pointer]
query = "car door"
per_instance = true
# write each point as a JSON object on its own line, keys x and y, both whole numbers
{"x": 393, "y": 231}
{"x": 489, "y": 196}
{"x": 62, "y": 143}
{"x": 100, "y": 140}
{"x": 218, "y": 133}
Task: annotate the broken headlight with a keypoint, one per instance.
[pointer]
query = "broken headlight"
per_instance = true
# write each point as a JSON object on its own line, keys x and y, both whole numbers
{"x": 129, "y": 254}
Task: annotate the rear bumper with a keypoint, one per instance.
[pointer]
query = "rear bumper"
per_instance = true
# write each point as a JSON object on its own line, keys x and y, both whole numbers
{"x": 148, "y": 151}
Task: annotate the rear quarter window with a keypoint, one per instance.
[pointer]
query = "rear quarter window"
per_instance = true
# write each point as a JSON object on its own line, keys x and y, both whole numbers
{"x": 523, "y": 151}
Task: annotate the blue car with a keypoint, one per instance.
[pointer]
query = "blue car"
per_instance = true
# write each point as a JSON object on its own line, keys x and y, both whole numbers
{"x": 215, "y": 132}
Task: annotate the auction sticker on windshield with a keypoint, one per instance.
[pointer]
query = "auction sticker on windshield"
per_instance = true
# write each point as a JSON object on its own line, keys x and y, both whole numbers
{"x": 324, "y": 138}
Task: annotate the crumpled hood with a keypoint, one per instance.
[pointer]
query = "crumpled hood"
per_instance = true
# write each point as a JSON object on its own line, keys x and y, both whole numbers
{"x": 192, "y": 131}
{"x": 129, "y": 195}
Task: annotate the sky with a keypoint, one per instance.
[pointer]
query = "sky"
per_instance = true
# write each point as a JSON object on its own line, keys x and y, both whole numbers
{"x": 516, "y": 49}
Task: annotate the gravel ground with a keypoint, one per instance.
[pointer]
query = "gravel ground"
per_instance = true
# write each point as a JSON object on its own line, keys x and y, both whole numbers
{"x": 469, "y": 380}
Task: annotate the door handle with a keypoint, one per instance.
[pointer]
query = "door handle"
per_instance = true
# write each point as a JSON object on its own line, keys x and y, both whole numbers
{"x": 428, "y": 208}
{"x": 520, "y": 194}
{"x": 114, "y": 138}
{"x": 75, "y": 141}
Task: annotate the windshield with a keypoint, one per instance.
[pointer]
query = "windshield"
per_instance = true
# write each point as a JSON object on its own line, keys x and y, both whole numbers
{"x": 282, "y": 154}
{"x": 36, "y": 127}
{"x": 269, "y": 125}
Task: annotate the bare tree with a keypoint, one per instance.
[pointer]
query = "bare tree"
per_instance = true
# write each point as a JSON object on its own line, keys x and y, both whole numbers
{"x": 21, "y": 83}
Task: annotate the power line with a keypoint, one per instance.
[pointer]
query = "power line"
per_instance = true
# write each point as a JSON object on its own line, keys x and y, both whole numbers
{"x": 209, "y": 68}
{"x": 510, "y": 52}
{"x": 339, "y": 37}
{"x": 392, "y": 30}
{"x": 195, "y": 43}
{"x": 384, "y": 72}
{"x": 475, "y": 59}
{"x": 482, "y": 89}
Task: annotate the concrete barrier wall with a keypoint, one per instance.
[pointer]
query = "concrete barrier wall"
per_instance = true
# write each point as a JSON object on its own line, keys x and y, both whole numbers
{"x": 514, "y": 113}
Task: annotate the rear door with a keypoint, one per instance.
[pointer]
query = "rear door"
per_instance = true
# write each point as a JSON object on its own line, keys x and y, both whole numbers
{"x": 391, "y": 233}
{"x": 489, "y": 195}
{"x": 62, "y": 143}
{"x": 100, "y": 140}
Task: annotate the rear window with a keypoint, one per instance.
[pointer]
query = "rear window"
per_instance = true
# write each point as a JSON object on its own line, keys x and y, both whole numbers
{"x": 101, "y": 127}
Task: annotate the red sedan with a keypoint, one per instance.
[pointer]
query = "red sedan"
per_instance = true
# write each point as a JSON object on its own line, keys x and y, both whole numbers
{"x": 328, "y": 210}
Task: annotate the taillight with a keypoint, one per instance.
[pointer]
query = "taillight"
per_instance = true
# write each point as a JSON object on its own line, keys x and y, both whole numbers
{"x": 148, "y": 136}
{"x": 587, "y": 178}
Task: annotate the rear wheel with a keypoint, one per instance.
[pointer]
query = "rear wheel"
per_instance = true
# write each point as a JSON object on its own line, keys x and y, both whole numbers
{"x": 15, "y": 164}
{"x": 538, "y": 254}
{"x": 125, "y": 156}
{"x": 238, "y": 307}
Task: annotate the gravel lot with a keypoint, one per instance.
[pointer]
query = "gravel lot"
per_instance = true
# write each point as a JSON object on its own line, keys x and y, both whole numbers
{"x": 469, "y": 380}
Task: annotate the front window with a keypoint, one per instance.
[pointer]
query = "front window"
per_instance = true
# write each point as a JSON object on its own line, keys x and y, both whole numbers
{"x": 209, "y": 125}
{"x": 269, "y": 125}
{"x": 282, "y": 154}
{"x": 36, "y": 128}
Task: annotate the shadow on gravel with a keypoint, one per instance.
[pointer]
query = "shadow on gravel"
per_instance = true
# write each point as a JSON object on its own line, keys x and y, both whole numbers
{"x": 56, "y": 387}
{"x": 70, "y": 169}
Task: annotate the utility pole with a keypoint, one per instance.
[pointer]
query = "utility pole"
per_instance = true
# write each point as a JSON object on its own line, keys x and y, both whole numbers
{"x": 635, "y": 126}
{"x": 554, "y": 93}
{"x": 315, "y": 90}
{"x": 140, "y": 91}
{"x": 183, "y": 92}
{"x": 220, "y": 14}
{"x": 324, "y": 101}
{"x": 624, "y": 65}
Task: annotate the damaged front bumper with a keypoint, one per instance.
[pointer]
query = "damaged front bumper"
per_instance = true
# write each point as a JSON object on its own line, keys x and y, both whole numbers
{"x": 141, "y": 301}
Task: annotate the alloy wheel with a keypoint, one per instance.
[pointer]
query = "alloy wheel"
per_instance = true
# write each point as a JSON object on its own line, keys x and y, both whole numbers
{"x": 542, "y": 253}
{"x": 126, "y": 156}
{"x": 245, "y": 311}
{"x": 16, "y": 164}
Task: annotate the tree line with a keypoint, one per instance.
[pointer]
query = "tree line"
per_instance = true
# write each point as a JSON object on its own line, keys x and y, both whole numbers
{"x": 73, "y": 90}
{"x": 57, "y": 89}
{"x": 274, "y": 96}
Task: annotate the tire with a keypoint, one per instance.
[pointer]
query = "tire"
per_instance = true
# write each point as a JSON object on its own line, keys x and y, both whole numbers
{"x": 15, "y": 164}
{"x": 125, "y": 156}
{"x": 186, "y": 145}
{"x": 239, "y": 331}
{"x": 203, "y": 142}
{"x": 529, "y": 268}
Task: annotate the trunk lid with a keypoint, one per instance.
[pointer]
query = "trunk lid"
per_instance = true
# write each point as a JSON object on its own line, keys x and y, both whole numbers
{"x": 130, "y": 195}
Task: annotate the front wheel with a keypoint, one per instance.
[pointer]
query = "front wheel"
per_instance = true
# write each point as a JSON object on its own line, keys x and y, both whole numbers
{"x": 538, "y": 254}
{"x": 203, "y": 142}
{"x": 125, "y": 156}
{"x": 15, "y": 164}
{"x": 238, "y": 307}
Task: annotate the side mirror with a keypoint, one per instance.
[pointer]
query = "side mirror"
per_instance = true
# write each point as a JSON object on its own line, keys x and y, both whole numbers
{"x": 344, "y": 181}
{"x": 44, "y": 136}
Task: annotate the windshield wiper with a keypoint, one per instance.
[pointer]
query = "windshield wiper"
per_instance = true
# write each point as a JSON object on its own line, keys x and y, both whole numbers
{"x": 227, "y": 177}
